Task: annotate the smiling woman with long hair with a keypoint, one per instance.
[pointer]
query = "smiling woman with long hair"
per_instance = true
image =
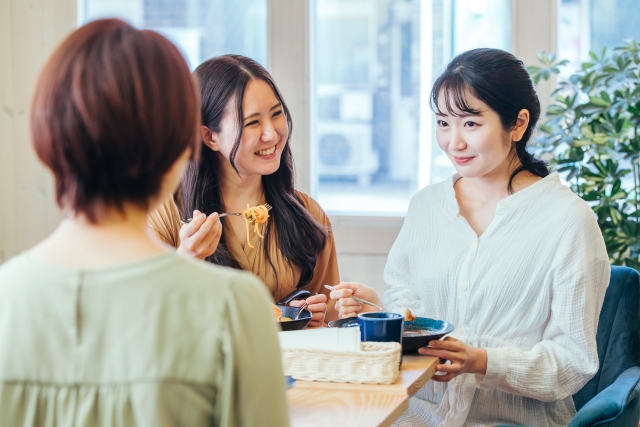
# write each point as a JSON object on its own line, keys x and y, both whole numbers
{"x": 247, "y": 160}
{"x": 100, "y": 324}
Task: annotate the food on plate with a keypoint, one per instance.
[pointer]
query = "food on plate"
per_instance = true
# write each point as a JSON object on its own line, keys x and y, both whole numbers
{"x": 408, "y": 316}
{"x": 278, "y": 313}
{"x": 414, "y": 332}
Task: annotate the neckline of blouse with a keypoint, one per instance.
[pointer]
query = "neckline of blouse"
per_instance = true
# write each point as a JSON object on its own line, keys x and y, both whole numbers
{"x": 524, "y": 194}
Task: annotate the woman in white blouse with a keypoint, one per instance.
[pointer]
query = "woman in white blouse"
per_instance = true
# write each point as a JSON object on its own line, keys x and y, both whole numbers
{"x": 502, "y": 250}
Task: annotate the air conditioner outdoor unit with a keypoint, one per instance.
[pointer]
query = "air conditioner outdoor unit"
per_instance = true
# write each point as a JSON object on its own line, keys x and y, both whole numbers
{"x": 344, "y": 150}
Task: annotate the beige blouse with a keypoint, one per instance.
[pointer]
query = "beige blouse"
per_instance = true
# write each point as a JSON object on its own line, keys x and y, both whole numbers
{"x": 165, "y": 222}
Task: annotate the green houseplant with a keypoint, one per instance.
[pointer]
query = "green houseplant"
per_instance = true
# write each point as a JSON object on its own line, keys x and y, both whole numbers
{"x": 591, "y": 135}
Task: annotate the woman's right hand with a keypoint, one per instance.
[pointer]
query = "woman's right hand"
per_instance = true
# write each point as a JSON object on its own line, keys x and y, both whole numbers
{"x": 199, "y": 238}
{"x": 348, "y": 307}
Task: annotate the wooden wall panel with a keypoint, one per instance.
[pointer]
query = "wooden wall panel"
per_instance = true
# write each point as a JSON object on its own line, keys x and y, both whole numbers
{"x": 29, "y": 31}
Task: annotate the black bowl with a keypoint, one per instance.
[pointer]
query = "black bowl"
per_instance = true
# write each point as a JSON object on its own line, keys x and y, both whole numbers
{"x": 291, "y": 312}
{"x": 422, "y": 330}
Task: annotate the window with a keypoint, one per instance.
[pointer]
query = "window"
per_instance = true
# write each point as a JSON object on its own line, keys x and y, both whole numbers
{"x": 201, "y": 29}
{"x": 373, "y": 63}
{"x": 585, "y": 25}
{"x": 481, "y": 23}
{"x": 372, "y": 66}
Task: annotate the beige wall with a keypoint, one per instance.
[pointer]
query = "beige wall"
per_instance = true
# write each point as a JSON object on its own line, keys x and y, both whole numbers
{"x": 289, "y": 64}
{"x": 535, "y": 29}
{"x": 29, "y": 31}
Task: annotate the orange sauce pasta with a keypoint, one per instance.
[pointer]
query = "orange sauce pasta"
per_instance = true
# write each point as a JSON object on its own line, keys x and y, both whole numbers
{"x": 278, "y": 313}
{"x": 255, "y": 215}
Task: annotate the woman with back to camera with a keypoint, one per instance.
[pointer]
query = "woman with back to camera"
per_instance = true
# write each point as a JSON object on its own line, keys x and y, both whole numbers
{"x": 502, "y": 250}
{"x": 100, "y": 325}
{"x": 247, "y": 160}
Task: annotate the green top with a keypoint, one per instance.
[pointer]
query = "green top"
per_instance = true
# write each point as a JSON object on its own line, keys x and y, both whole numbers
{"x": 167, "y": 341}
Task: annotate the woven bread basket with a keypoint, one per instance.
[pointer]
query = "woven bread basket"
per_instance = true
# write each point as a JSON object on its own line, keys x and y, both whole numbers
{"x": 377, "y": 363}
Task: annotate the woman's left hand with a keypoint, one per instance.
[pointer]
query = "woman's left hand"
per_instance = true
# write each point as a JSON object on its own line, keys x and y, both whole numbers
{"x": 317, "y": 306}
{"x": 464, "y": 358}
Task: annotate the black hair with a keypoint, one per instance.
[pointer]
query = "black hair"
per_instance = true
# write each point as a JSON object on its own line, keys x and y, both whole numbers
{"x": 499, "y": 80}
{"x": 300, "y": 237}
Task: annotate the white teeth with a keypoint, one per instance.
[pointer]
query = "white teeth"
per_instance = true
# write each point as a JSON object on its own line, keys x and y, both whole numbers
{"x": 266, "y": 152}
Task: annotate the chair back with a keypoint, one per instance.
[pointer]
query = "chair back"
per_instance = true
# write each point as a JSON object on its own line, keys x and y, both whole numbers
{"x": 618, "y": 336}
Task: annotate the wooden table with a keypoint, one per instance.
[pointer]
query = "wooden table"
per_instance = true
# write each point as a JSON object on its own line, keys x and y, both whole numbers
{"x": 358, "y": 405}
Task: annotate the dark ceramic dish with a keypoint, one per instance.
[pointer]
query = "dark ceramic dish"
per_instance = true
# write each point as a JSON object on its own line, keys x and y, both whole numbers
{"x": 291, "y": 312}
{"x": 420, "y": 331}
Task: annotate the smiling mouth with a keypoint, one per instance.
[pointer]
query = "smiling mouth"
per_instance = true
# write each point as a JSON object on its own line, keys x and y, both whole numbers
{"x": 266, "y": 152}
{"x": 461, "y": 160}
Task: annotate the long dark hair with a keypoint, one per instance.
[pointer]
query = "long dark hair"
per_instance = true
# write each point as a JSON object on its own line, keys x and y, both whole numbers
{"x": 500, "y": 80}
{"x": 299, "y": 236}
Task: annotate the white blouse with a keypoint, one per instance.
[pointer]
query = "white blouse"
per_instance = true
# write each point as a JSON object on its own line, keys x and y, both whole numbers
{"x": 529, "y": 290}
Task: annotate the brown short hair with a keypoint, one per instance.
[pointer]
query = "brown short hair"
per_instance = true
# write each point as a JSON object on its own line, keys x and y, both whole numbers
{"x": 114, "y": 108}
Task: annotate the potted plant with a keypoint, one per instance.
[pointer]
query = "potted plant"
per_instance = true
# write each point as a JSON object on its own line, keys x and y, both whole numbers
{"x": 591, "y": 136}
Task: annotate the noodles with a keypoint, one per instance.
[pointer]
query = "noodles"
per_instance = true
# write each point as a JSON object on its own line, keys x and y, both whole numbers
{"x": 255, "y": 215}
{"x": 278, "y": 313}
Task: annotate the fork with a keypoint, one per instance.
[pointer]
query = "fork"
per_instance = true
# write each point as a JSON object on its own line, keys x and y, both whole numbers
{"x": 300, "y": 311}
{"x": 222, "y": 215}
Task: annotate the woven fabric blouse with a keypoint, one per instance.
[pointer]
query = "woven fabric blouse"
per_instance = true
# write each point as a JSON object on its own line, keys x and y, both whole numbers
{"x": 529, "y": 290}
{"x": 167, "y": 341}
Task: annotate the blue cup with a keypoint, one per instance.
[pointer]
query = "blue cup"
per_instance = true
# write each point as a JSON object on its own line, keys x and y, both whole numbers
{"x": 381, "y": 326}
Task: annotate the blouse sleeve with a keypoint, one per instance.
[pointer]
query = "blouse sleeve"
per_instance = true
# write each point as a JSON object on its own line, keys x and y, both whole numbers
{"x": 251, "y": 390}
{"x": 398, "y": 273}
{"x": 164, "y": 222}
{"x": 566, "y": 357}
